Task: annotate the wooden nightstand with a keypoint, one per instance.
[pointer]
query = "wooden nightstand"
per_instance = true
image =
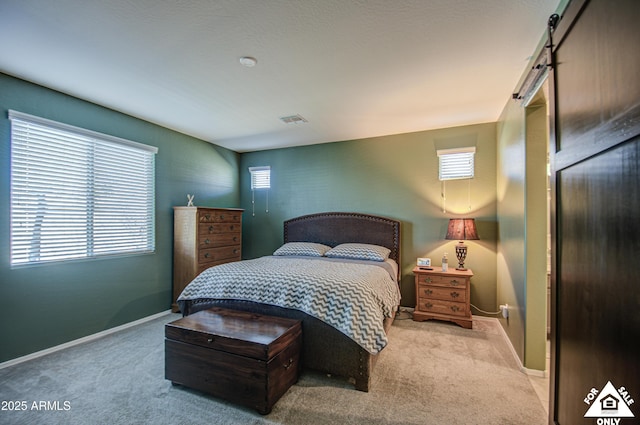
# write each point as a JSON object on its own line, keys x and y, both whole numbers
{"x": 443, "y": 295}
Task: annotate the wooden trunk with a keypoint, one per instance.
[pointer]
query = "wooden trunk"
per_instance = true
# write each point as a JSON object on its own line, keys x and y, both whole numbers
{"x": 245, "y": 358}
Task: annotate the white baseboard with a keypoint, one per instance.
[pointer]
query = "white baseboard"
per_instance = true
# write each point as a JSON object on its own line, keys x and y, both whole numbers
{"x": 81, "y": 340}
{"x": 531, "y": 372}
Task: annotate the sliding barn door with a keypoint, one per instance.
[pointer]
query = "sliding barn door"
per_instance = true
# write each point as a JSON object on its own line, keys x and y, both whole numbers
{"x": 595, "y": 148}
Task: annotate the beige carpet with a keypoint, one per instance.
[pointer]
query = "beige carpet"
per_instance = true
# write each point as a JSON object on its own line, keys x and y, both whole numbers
{"x": 431, "y": 373}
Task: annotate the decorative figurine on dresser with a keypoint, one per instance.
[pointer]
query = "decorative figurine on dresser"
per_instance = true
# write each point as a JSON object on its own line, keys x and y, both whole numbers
{"x": 443, "y": 295}
{"x": 203, "y": 237}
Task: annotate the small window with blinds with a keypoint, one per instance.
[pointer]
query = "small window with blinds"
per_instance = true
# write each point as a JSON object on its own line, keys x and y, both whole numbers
{"x": 260, "y": 177}
{"x": 78, "y": 194}
{"x": 456, "y": 163}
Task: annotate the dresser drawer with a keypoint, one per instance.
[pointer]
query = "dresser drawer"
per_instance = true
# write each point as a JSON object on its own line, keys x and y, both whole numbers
{"x": 222, "y": 239}
{"x": 216, "y": 254}
{"x": 442, "y": 307}
{"x": 450, "y": 281}
{"x": 218, "y": 216}
{"x": 204, "y": 266}
{"x": 443, "y": 293}
{"x": 217, "y": 228}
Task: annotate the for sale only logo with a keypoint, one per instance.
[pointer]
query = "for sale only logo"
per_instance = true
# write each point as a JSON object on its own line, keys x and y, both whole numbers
{"x": 609, "y": 405}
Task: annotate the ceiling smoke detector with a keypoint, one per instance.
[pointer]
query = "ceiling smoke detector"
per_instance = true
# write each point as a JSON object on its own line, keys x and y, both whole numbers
{"x": 293, "y": 119}
{"x": 248, "y": 61}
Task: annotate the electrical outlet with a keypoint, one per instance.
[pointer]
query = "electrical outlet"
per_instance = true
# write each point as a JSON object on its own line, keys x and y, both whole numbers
{"x": 504, "y": 308}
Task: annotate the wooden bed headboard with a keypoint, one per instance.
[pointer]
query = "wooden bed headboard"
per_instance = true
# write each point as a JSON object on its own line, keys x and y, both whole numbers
{"x": 333, "y": 228}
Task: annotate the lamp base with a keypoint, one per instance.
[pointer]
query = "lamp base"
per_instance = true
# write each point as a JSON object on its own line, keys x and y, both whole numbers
{"x": 461, "y": 253}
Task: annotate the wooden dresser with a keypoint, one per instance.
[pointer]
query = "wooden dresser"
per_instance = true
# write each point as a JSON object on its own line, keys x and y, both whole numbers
{"x": 443, "y": 295}
{"x": 203, "y": 237}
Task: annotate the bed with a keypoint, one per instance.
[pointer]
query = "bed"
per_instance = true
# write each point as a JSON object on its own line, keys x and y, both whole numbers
{"x": 329, "y": 345}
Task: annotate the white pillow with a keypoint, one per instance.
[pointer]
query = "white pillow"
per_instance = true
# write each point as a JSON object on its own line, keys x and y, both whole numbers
{"x": 359, "y": 251}
{"x": 307, "y": 249}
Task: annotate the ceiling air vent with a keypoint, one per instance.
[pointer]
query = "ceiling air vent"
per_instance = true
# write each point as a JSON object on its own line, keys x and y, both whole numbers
{"x": 293, "y": 119}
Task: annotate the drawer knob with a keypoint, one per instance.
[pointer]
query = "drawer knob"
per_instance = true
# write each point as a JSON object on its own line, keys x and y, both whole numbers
{"x": 207, "y": 241}
{"x": 235, "y": 251}
{"x": 428, "y": 305}
{"x": 231, "y": 227}
{"x": 235, "y": 239}
{"x": 428, "y": 280}
{"x": 207, "y": 255}
{"x": 455, "y": 282}
{"x": 207, "y": 216}
{"x": 210, "y": 229}
{"x": 455, "y": 308}
{"x": 288, "y": 365}
{"x": 209, "y": 340}
{"x": 428, "y": 291}
{"x": 221, "y": 216}
{"x": 454, "y": 294}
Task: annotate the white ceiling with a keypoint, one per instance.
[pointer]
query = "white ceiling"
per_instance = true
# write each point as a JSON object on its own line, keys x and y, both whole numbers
{"x": 353, "y": 68}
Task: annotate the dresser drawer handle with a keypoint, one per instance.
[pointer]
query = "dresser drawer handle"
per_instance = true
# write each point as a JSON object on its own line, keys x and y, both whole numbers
{"x": 209, "y": 340}
{"x": 231, "y": 227}
{"x": 455, "y": 282}
{"x": 207, "y": 241}
{"x": 235, "y": 239}
{"x": 428, "y": 305}
{"x": 454, "y": 294}
{"x": 427, "y": 280}
{"x": 235, "y": 251}
{"x": 455, "y": 308}
{"x": 428, "y": 291}
{"x": 221, "y": 217}
{"x": 207, "y": 216}
{"x": 210, "y": 229}
{"x": 207, "y": 255}
{"x": 288, "y": 365}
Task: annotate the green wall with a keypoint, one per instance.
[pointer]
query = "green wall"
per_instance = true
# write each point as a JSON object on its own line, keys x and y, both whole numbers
{"x": 522, "y": 218}
{"x": 47, "y": 305}
{"x": 511, "y": 280}
{"x": 394, "y": 176}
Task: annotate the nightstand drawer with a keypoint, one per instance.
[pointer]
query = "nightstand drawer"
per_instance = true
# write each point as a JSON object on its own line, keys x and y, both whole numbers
{"x": 451, "y": 281}
{"x": 442, "y": 307}
{"x": 443, "y": 293}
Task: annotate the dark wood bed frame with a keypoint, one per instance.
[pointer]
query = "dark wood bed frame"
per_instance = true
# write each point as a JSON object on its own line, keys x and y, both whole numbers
{"x": 325, "y": 348}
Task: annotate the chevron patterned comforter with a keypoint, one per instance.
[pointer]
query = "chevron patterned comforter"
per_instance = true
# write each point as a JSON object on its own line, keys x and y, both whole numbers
{"x": 352, "y": 296}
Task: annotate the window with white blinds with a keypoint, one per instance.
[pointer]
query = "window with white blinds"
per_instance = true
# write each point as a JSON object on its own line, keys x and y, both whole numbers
{"x": 78, "y": 194}
{"x": 456, "y": 163}
{"x": 260, "y": 177}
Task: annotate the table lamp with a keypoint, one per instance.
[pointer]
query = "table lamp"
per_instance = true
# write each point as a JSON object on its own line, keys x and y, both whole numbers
{"x": 462, "y": 229}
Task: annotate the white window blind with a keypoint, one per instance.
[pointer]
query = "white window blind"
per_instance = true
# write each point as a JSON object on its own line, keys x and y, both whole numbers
{"x": 260, "y": 177}
{"x": 456, "y": 163}
{"x": 77, "y": 193}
